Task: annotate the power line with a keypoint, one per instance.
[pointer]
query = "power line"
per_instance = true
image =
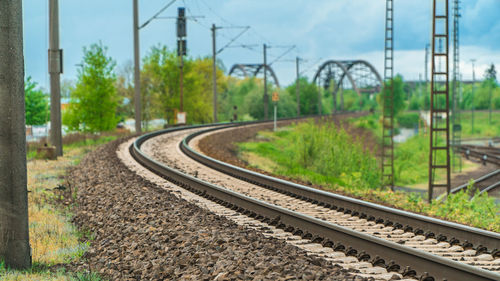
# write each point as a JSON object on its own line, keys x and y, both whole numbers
{"x": 234, "y": 38}
{"x": 290, "y": 48}
{"x": 157, "y": 14}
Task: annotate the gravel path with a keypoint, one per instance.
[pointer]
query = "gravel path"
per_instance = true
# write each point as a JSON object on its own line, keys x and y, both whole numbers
{"x": 143, "y": 231}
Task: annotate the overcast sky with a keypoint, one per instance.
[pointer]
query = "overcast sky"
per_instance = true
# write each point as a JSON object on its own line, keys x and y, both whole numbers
{"x": 321, "y": 30}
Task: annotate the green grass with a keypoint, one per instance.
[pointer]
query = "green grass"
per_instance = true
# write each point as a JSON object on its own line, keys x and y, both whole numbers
{"x": 55, "y": 241}
{"x": 318, "y": 153}
{"x": 327, "y": 156}
{"x": 482, "y": 127}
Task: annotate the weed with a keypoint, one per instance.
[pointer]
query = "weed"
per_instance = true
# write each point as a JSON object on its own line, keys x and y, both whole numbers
{"x": 327, "y": 156}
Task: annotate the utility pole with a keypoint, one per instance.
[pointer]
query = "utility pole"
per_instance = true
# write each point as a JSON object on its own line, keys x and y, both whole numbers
{"x": 472, "y": 95}
{"x": 14, "y": 234}
{"x": 266, "y": 98}
{"x": 137, "y": 71}
{"x": 491, "y": 106}
{"x": 456, "y": 128}
{"x": 55, "y": 70}
{"x": 426, "y": 70}
{"x": 214, "y": 58}
{"x": 297, "y": 85}
{"x": 181, "y": 51}
{"x": 214, "y": 71}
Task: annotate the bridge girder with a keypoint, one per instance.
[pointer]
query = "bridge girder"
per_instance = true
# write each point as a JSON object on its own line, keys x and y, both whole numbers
{"x": 361, "y": 76}
{"x": 253, "y": 70}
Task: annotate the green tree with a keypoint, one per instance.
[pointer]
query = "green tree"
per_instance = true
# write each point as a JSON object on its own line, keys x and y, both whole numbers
{"x": 309, "y": 94}
{"x": 399, "y": 95}
{"x": 37, "y": 104}
{"x": 94, "y": 100}
{"x": 161, "y": 91}
{"x": 491, "y": 74}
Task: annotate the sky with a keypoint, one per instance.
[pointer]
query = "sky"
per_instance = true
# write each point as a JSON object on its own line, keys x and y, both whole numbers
{"x": 319, "y": 29}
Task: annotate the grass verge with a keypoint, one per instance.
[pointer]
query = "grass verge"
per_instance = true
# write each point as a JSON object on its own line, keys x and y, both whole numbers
{"x": 324, "y": 155}
{"x": 53, "y": 238}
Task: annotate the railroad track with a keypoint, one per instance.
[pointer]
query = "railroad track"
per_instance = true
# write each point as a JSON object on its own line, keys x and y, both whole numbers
{"x": 484, "y": 154}
{"x": 487, "y": 183}
{"x": 383, "y": 236}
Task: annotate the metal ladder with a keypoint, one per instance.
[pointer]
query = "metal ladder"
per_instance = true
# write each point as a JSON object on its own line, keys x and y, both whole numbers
{"x": 439, "y": 152}
{"x": 456, "y": 128}
{"x": 388, "y": 103}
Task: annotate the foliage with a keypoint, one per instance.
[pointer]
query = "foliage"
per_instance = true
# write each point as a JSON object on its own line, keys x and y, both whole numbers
{"x": 408, "y": 120}
{"x": 37, "y": 104}
{"x": 482, "y": 127}
{"x": 292, "y": 152}
{"x": 398, "y": 95}
{"x": 161, "y": 94}
{"x": 55, "y": 241}
{"x": 125, "y": 91}
{"x": 94, "y": 101}
{"x": 321, "y": 152}
{"x": 308, "y": 93}
{"x": 491, "y": 73}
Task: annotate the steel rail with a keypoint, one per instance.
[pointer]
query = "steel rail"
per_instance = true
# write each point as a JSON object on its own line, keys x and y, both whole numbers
{"x": 490, "y": 188}
{"x": 483, "y": 156}
{"x": 422, "y": 262}
{"x": 478, "y": 180}
{"x": 419, "y": 224}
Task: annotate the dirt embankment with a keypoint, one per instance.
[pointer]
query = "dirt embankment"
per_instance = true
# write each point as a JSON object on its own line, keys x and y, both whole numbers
{"x": 222, "y": 145}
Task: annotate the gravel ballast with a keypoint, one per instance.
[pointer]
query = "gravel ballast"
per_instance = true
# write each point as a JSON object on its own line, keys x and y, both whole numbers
{"x": 143, "y": 232}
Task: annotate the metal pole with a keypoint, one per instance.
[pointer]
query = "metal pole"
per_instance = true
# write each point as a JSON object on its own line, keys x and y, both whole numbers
{"x": 489, "y": 117}
{"x": 297, "y": 85}
{"x": 472, "y": 95}
{"x": 214, "y": 72}
{"x": 55, "y": 69}
{"x": 137, "y": 71}
{"x": 14, "y": 235}
{"x": 275, "y": 116}
{"x": 426, "y": 70}
{"x": 181, "y": 82}
{"x": 266, "y": 98}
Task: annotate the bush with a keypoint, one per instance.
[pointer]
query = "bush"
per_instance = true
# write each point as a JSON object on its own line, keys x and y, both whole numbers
{"x": 408, "y": 120}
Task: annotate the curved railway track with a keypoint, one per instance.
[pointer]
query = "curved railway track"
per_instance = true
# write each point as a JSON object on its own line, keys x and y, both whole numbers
{"x": 484, "y": 154}
{"x": 394, "y": 239}
{"x": 489, "y": 183}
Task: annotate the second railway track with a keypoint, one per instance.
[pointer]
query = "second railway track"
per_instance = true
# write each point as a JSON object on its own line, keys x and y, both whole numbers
{"x": 375, "y": 233}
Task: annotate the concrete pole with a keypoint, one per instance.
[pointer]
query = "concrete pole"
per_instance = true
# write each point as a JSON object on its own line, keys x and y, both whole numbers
{"x": 297, "y": 85}
{"x": 214, "y": 72}
{"x": 14, "y": 235}
{"x": 137, "y": 71}
{"x": 266, "y": 98}
{"x": 55, "y": 70}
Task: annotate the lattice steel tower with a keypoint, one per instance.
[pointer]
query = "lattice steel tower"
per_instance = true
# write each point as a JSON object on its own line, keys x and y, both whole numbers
{"x": 388, "y": 103}
{"x": 455, "y": 114}
{"x": 439, "y": 152}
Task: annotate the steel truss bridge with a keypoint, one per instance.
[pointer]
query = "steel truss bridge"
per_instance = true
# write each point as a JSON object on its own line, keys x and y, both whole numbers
{"x": 333, "y": 75}
{"x": 357, "y": 75}
{"x": 253, "y": 70}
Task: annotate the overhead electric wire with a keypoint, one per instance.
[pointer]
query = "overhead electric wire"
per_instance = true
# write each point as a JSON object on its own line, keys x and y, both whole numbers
{"x": 282, "y": 55}
{"x": 234, "y": 39}
{"x": 157, "y": 14}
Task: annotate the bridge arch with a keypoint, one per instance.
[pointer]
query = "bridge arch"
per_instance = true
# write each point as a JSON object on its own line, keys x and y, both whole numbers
{"x": 253, "y": 70}
{"x": 362, "y": 77}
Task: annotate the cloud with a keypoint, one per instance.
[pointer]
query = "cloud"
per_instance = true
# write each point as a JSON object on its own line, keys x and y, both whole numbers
{"x": 340, "y": 29}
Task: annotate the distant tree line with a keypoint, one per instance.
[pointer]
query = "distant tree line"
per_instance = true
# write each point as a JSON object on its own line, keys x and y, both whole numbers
{"x": 103, "y": 95}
